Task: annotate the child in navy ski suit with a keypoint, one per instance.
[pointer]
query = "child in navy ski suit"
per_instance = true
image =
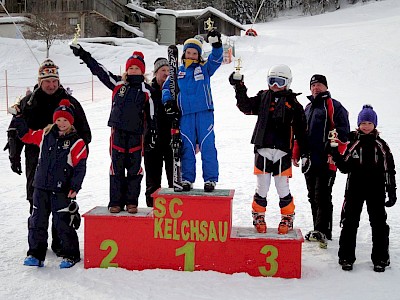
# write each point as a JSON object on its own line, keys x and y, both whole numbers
{"x": 132, "y": 106}
{"x": 58, "y": 178}
{"x": 369, "y": 164}
{"x": 197, "y": 110}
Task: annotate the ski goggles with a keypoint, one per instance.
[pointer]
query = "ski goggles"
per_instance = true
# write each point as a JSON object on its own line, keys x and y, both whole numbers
{"x": 278, "y": 81}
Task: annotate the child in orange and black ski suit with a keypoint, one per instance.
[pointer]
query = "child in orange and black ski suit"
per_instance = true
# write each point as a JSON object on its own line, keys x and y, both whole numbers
{"x": 369, "y": 164}
{"x": 280, "y": 119}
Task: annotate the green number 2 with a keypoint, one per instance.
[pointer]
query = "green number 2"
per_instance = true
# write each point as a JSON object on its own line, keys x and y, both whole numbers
{"x": 106, "y": 262}
{"x": 271, "y": 253}
{"x": 188, "y": 251}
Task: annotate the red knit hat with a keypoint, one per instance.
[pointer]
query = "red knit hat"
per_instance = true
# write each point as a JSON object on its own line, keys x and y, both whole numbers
{"x": 64, "y": 111}
{"x": 136, "y": 59}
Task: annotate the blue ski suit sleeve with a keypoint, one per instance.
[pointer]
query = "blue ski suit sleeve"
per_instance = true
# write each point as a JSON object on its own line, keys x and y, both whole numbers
{"x": 194, "y": 84}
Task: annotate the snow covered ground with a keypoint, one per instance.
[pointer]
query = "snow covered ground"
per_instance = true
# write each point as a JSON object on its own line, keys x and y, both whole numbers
{"x": 357, "y": 48}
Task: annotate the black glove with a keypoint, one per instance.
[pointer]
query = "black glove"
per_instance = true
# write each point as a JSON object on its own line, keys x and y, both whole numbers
{"x": 79, "y": 51}
{"x": 305, "y": 163}
{"x": 73, "y": 209}
{"x": 16, "y": 164}
{"x": 214, "y": 38}
{"x": 14, "y": 154}
{"x": 151, "y": 140}
{"x": 235, "y": 81}
{"x": 391, "y": 191}
{"x": 171, "y": 110}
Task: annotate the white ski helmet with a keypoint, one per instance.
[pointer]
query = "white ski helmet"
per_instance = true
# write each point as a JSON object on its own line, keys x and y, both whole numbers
{"x": 280, "y": 71}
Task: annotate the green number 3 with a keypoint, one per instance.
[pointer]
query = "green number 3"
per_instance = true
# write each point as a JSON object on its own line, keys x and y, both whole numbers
{"x": 271, "y": 253}
{"x": 106, "y": 262}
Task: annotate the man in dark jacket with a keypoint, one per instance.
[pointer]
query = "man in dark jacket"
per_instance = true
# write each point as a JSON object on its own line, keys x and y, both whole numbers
{"x": 37, "y": 109}
{"x": 162, "y": 153}
{"x": 324, "y": 115}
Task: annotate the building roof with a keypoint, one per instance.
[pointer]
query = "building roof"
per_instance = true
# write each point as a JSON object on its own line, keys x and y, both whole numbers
{"x": 196, "y": 13}
{"x": 129, "y": 28}
{"x": 16, "y": 20}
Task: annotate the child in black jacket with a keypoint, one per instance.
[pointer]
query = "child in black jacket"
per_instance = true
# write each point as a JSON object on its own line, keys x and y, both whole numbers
{"x": 280, "y": 120}
{"x": 369, "y": 164}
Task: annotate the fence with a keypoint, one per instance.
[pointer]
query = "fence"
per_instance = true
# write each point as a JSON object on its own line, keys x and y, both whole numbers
{"x": 85, "y": 88}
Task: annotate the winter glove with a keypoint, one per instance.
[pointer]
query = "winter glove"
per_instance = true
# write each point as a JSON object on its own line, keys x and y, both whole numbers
{"x": 171, "y": 110}
{"x": 236, "y": 79}
{"x": 391, "y": 191}
{"x": 14, "y": 154}
{"x": 75, "y": 220}
{"x": 305, "y": 164}
{"x": 79, "y": 51}
{"x": 19, "y": 124}
{"x": 214, "y": 38}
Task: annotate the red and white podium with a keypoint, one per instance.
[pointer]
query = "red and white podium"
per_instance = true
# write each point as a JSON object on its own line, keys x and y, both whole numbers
{"x": 188, "y": 231}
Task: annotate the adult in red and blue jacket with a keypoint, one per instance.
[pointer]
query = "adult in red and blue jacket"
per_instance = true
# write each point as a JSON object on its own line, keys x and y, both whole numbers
{"x": 323, "y": 114}
{"x": 60, "y": 172}
{"x": 130, "y": 98}
{"x": 196, "y": 107}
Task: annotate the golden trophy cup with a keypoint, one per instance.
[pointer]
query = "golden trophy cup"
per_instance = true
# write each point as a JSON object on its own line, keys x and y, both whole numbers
{"x": 238, "y": 66}
{"x": 77, "y": 34}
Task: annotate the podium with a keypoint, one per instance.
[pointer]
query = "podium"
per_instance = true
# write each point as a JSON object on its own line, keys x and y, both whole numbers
{"x": 188, "y": 231}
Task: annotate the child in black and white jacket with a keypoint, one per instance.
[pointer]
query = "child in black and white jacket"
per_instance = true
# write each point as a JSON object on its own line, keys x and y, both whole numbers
{"x": 369, "y": 164}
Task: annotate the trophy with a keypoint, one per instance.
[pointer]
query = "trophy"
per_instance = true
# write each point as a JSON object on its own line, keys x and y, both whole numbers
{"x": 76, "y": 34}
{"x": 333, "y": 136}
{"x": 238, "y": 66}
{"x": 209, "y": 25}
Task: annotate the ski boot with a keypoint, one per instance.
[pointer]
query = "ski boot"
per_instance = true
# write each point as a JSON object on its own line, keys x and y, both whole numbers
{"x": 68, "y": 262}
{"x": 209, "y": 186}
{"x": 32, "y": 261}
{"x": 259, "y": 222}
{"x": 286, "y": 224}
{"x": 316, "y": 236}
{"x": 380, "y": 266}
{"x": 346, "y": 265}
{"x": 186, "y": 186}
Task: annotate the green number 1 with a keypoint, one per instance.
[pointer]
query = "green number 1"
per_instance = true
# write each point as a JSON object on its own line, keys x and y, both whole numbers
{"x": 106, "y": 262}
{"x": 188, "y": 251}
{"x": 271, "y": 253}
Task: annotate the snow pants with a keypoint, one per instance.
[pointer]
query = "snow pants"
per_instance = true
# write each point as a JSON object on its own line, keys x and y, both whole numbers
{"x": 275, "y": 163}
{"x": 351, "y": 212}
{"x": 31, "y": 161}
{"x": 126, "y": 172}
{"x": 319, "y": 185}
{"x": 44, "y": 203}
{"x": 198, "y": 128}
{"x": 153, "y": 165}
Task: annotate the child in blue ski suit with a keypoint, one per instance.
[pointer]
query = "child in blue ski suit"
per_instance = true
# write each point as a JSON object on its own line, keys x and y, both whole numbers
{"x": 196, "y": 109}
{"x": 58, "y": 178}
{"x": 132, "y": 106}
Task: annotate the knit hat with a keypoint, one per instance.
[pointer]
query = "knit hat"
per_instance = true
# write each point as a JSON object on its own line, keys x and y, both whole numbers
{"x": 193, "y": 43}
{"x": 64, "y": 111}
{"x": 318, "y": 78}
{"x": 136, "y": 59}
{"x": 159, "y": 63}
{"x": 367, "y": 114}
{"x": 48, "y": 69}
